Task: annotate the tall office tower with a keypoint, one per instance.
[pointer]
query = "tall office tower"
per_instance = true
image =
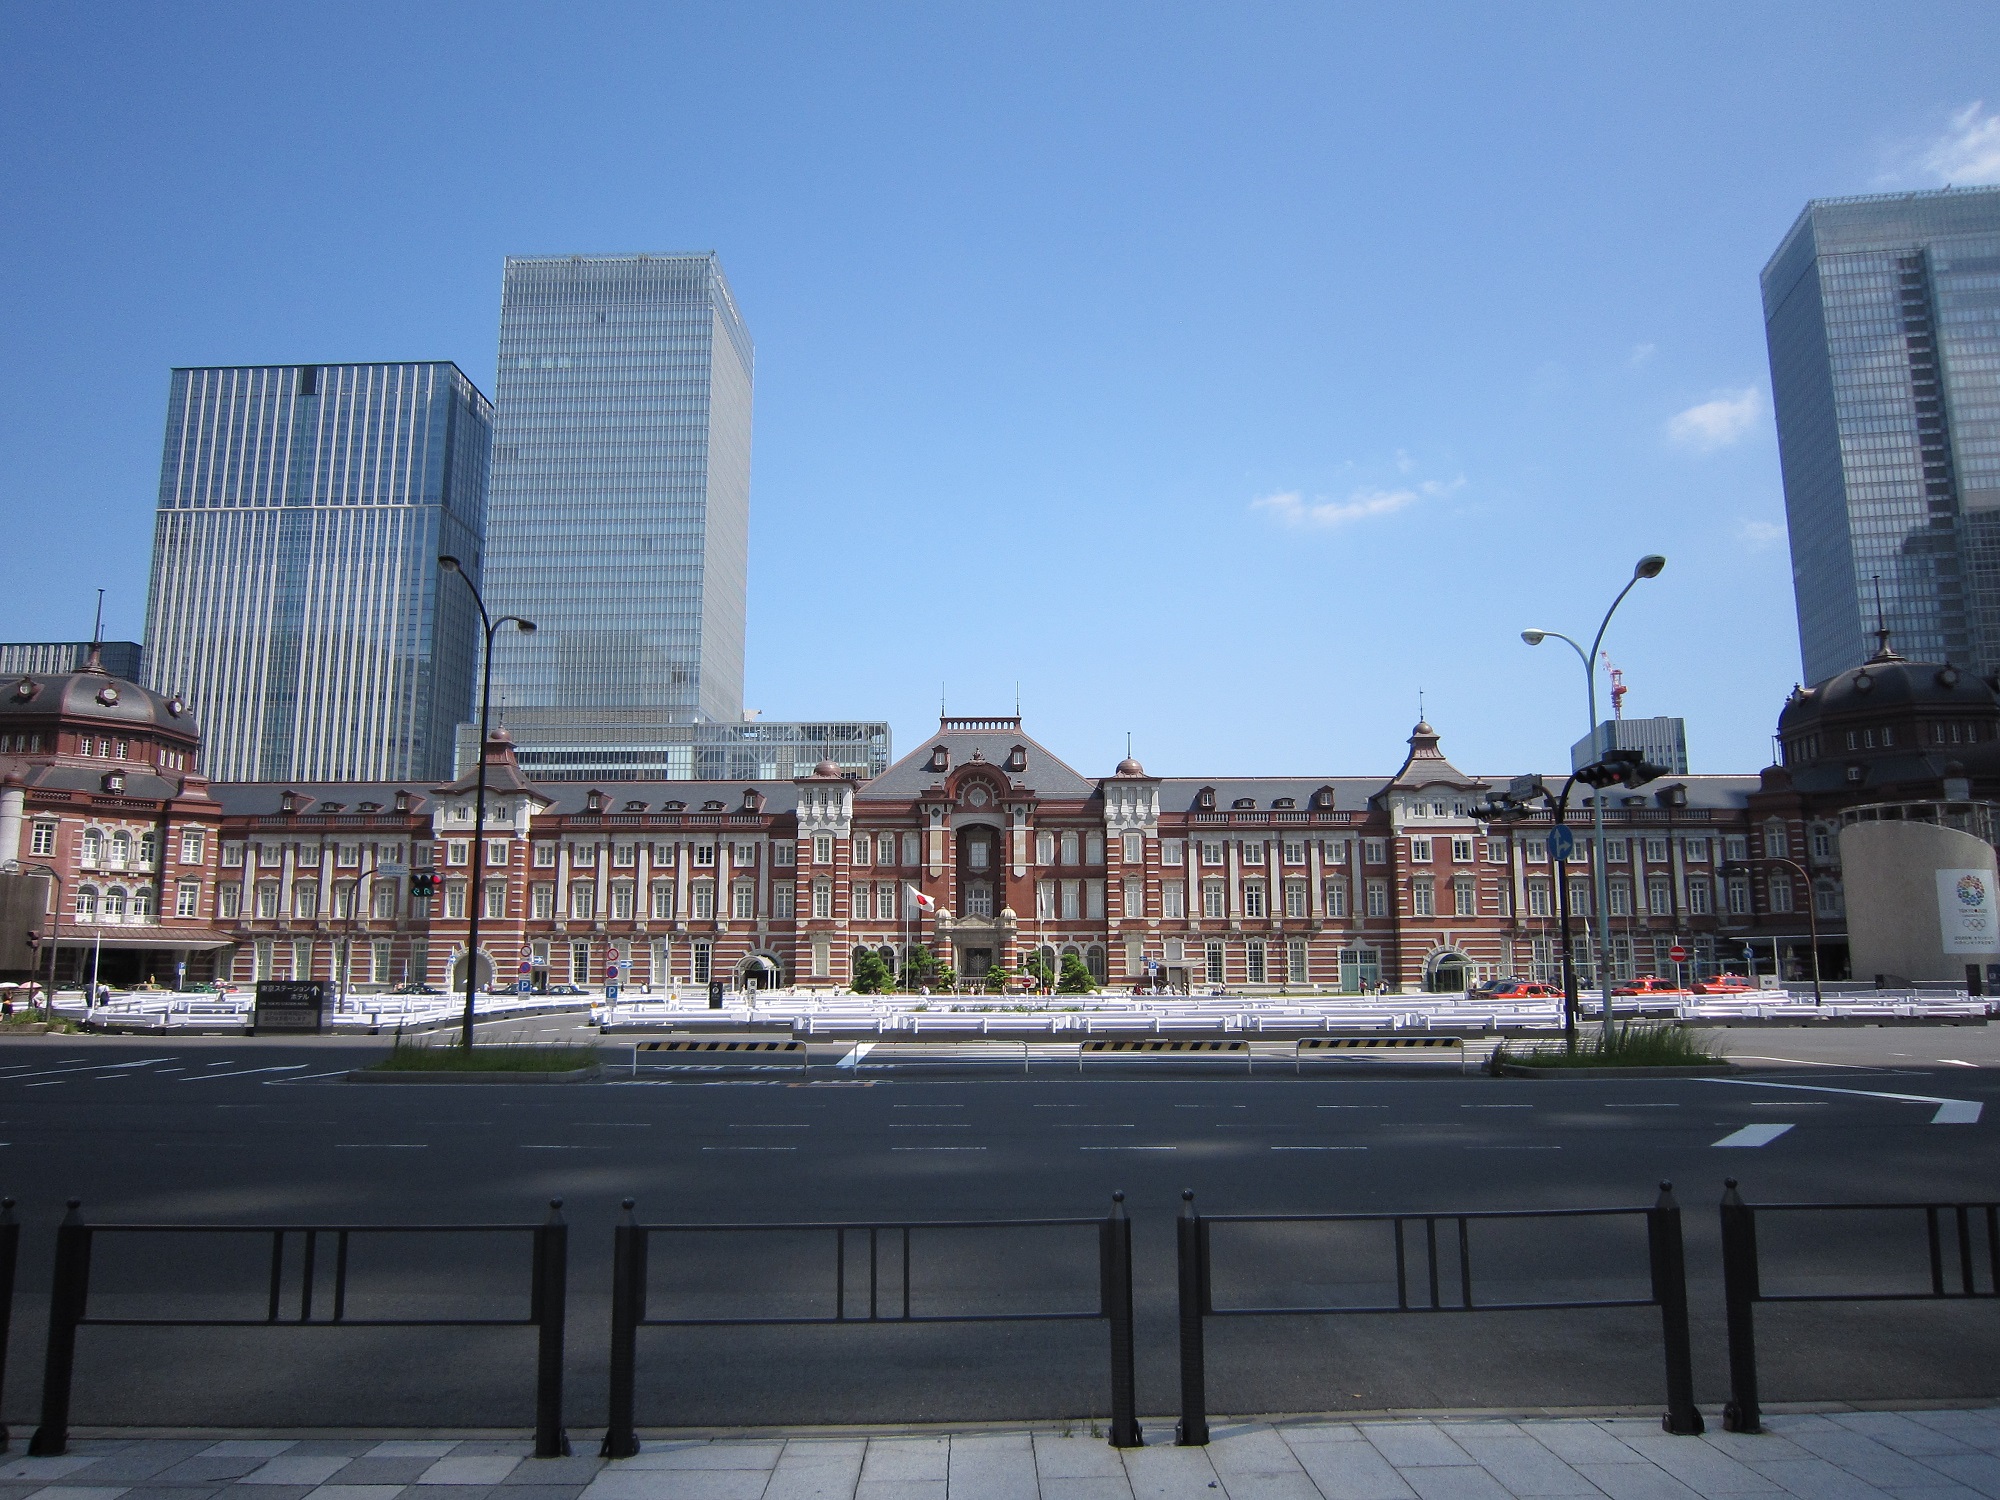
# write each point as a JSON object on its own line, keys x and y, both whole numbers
{"x": 296, "y": 598}
{"x": 1880, "y": 315}
{"x": 620, "y": 519}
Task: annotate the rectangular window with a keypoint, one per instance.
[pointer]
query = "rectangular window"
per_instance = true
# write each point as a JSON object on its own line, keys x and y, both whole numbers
{"x": 187, "y": 898}
{"x": 43, "y": 842}
{"x": 1133, "y": 901}
{"x": 885, "y": 850}
{"x": 1253, "y": 851}
{"x": 1698, "y": 895}
{"x": 1656, "y": 851}
{"x": 347, "y": 855}
{"x": 1045, "y": 848}
{"x": 1295, "y": 964}
{"x": 1461, "y": 851}
{"x": 305, "y": 901}
{"x": 744, "y": 856}
{"x": 381, "y": 957}
{"x": 912, "y": 849}
{"x": 271, "y": 854}
{"x": 496, "y": 898}
{"x": 781, "y": 901}
{"x": 1295, "y": 851}
{"x": 1776, "y": 845}
{"x": 1615, "y": 851}
{"x": 545, "y": 856}
{"x": 623, "y": 856}
{"x": 1580, "y": 904}
{"x": 885, "y": 901}
{"x": 543, "y": 898}
{"x": 1093, "y": 848}
{"x": 1535, "y": 851}
{"x": 703, "y": 901}
{"x": 1538, "y": 898}
{"x": 382, "y": 896}
{"x": 343, "y": 900}
{"x": 1735, "y": 847}
{"x": 1255, "y": 955}
{"x": 1045, "y": 900}
{"x": 703, "y": 958}
{"x": 1336, "y": 851}
{"x": 1173, "y": 900}
{"x": 1464, "y": 897}
{"x": 1213, "y": 955}
{"x": 579, "y": 963}
{"x": 454, "y": 899}
{"x": 822, "y": 849}
{"x": 663, "y": 901}
{"x": 1173, "y": 851}
{"x": 496, "y": 851}
{"x": 1211, "y": 852}
{"x": 861, "y": 901}
{"x": 1375, "y": 851}
{"x": 1822, "y": 844}
{"x": 1295, "y": 898}
{"x": 193, "y": 845}
{"x": 1420, "y": 851}
{"x": 784, "y": 854}
{"x": 822, "y": 958}
{"x": 1072, "y": 900}
{"x": 822, "y": 898}
{"x": 1093, "y": 900}
{"x": 583, "y": 900}
{"x": 862, "y": 851}
{"x": 1496, "y": 851}
{"x": 228, "y": 901}
{"x": 1212, "y": 902}
{"x": 704, "y": 854}
{"x": 1826, "y": 901}
{"x": 742, "y": 901}
{"x": 267, "y": 900}
{"x": 1780, "y": 892}
{"x": 1659, "y": 896}
{"x": 1695, "y": 849}
{"x": 1253, "y": 899}
{"x": 1620, "y": 896}
{"x": 1070, "y": 849}
{"x": 1423, "y": 897}
{"x": 1336, "y": 898}
{"x": 1132, "y": 848}
{"x": 457, "y": 851}
{"x": 1378, "y": 898}
{"x": 583, "y": 856}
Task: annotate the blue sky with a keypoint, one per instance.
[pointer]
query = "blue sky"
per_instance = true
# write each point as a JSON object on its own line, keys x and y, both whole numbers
{"x": 1224, "y": 374}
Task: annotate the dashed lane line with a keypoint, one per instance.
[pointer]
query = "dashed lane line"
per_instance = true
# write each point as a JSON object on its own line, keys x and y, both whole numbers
{"x": 1753, "y": 1135}
{"x": 247, "y": 1072}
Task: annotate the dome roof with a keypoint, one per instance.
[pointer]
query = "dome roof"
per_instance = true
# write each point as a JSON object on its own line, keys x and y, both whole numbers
{"x": 93, "y": 694}
{"x": 1888, "y": 683}
{"x": 826, "y": 768}
{"x": 1130, "y": 767}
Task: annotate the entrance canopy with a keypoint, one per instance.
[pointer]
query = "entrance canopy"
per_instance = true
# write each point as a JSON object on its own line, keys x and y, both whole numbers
{"x": 183, "y": 939}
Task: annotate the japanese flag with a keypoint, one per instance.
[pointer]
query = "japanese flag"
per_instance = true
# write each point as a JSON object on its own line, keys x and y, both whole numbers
{"x": 924, "y": 903}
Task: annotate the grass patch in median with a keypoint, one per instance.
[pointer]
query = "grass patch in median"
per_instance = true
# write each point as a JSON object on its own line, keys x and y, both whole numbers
{"x": 1638, "y": 1044}
{"x": 494, "y": 1057}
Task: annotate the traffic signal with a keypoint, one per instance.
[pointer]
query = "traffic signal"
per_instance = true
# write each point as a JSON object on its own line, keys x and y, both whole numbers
{"x": 423, "y": 885}
{"x": 1620, "y": 768}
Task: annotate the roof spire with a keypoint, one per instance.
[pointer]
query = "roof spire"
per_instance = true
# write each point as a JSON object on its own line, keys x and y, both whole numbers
{"x": 95, "y": 661}
{"x": 1882, "y": 651}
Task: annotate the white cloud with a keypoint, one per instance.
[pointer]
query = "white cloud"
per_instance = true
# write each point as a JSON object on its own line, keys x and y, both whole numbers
{"x": 1717, "y": 423}
{"x": 1967, "y": 152}
{"x": 1641, "y": 353}
{"x": 1293, "y": 509}
{"x": 1760, "y": 536}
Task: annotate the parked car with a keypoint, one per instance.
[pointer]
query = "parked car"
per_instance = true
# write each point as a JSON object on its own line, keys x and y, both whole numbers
{"x": 1647, "y": 984}
{"x": 1514, "y": 989}
{"x": 417, "y": 989}
{"x": 1726, "y": 984}
{"x": 565, "y": 989}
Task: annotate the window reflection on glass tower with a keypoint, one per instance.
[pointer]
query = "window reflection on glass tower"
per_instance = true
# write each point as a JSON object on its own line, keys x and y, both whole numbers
{"x": 620, "y": 499}
{"x": 295, "y": 595}
{"x": 1882, "y": 315}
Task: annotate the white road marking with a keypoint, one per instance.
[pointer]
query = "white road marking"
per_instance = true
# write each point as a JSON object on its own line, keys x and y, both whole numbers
{"x": 1753, "y": 1135}
{"x": 1513, "y": 1148}
{"x": 1949, "y": 1111}
{"x": 1642, "y": 1106}
{"x": 1496, "y": 1106}
{"x": 749, "y": 1148}
{"x": 1957, "y": 1062}
{"x": 283, "y": 1068}
{"x": 382, "y": 1146}
{"x": 937, "y": 1148}
{"x": 854, "y": 1056}
{"x": 77, "y": 1069}
{"x": 1128, "y": 1148}
{"x": 1319, "y": 1148}
{"x": 1097, "y": 1127}
{"x": 930, "y": 1125}
{"x": 1350, "y": 1106}
{"x": 336, "y": 1073}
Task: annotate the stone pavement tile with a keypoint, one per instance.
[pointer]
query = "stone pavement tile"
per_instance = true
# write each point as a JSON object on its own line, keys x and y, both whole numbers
{"x": 1081, "y": 1487}
{"x": 1895, "y": 1431}
{"x": 904, "y": 1459}
{"x": 1170, "y": 1473}
{"x": 579, "y": 1468}
{"x": 412, "y": 1448}
{"x": 356, "y": 1492}
{"x": 1703, "y": 1468}
{"x": 82, "y": 1492}
{"x": 1059, "y": 1457}
{"x": 1455, "y": 1482}
{"x": 997, "y": 1466}
{"x": 1523, "y": 1465}
{"x": 248, "y": 1448}
{"x": 1579, "y": 1442}
{"x": 177, "y": 1492}
{"x": 1295, "y": 1433}
{"x": 132, "y": 1462}
{"x": 1640, "y": 1481}
{"x": 483, "y": 1469}
{"x": 1410, "y": 1445}
{"x": 46, "y": 1469}
{"x": 899, "y": 1489}
{"x": 625, "y": 1483}
{"x": 760, "y": 1456}
{"x": 1949, "y": 1492}
{"x": 1864, "y": 1458}
{"x": 1351, "y": 1471}
{"x": 537, "y": 1492}
{"x": 1294, "y": 1486}
{"x": 1752, "y": 1446}
{"x": 1981, "y": 1429}
{"x": 203, "y": 1469}
{"x": 346, "y": 1447}
{"x": 817, "y": 1469}
{"x": 293, "y": 1468}
{"x": 1815, "y": 1479}
{"x": 1240, "y": 1452}
{"x": 1976, "y": 1471}
{"x": 374, "y": 1471}
{"x": 487, "y": 1447}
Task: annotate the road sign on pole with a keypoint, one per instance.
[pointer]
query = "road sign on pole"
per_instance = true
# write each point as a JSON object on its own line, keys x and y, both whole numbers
{"x": 1677, "y": 954}
{"x": 1562, "y": 842}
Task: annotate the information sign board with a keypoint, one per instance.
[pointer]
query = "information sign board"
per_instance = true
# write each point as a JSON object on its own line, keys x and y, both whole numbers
{"x": 290, "y": 1005}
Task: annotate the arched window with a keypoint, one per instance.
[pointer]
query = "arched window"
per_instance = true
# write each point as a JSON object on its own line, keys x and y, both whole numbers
{"x": 114, "y": 904}
{"x": 93, "y": 845}
{"x": 149, "y": 849}
{"x": 121, "y": 847}
{"x": 86, "y": 903}
{"x": 142, "y": 904}
{"x": 1093, "y": 960}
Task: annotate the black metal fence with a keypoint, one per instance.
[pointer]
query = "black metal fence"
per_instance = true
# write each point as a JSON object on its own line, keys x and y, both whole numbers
{"x": 890, "y": 1303}
{"x": 1666, "y": 1264}
{"x": 69, "y": 1302}
{"x": 1743, "y": 1288}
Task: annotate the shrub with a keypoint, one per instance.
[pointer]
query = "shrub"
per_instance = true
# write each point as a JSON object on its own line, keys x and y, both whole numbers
{"x": 1076, "y": 978}
{"x": 871, "y": 974}
{"x": 1638, "y": 1044}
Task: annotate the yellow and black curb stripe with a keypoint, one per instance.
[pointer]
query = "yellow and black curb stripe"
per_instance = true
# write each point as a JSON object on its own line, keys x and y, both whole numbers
{"x": 1163, "y": 1046}
{"x": 720, "y": 1046}
{"x": 1379, "y": 1041}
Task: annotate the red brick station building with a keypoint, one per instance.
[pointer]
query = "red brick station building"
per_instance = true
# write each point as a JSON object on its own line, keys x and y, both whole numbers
{"x": 1259, "y": 883}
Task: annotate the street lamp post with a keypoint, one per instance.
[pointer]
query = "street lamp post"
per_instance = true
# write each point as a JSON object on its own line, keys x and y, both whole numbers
{"x": 1648, "y": 566}
{"x": 1812, "y": 912}
{"x": 477, "y": 896}
{"x": 15, "y": 867}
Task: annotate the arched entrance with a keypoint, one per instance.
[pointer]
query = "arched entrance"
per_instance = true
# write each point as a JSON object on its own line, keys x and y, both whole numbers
{"x": 1447, "y": 971}
{"x": 759, "y": 972}
{"x": 485, "y": 971}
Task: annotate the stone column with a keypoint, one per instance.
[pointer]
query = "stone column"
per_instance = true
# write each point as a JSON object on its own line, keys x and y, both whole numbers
{"x": 13, "y": 802}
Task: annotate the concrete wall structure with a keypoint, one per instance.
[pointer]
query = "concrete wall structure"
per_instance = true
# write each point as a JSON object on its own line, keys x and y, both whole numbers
{"x": 1894, "y": 925}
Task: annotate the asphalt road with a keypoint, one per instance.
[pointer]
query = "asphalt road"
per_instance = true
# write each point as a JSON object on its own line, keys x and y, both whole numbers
{"x": 192, "y": 1130}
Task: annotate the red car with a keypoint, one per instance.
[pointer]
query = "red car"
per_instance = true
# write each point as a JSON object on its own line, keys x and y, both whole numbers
{"x": 1725, "y": 984}
{"x": 1647, "y": 984}
{"x": 1515, "y": 989}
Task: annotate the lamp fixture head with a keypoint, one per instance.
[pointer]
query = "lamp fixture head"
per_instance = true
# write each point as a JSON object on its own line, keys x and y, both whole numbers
{"x": 1649, "y": 566}
{"x": 450, "y": 564}
{"x": 1534, "y": 637}
{"x": 526, "y": 627}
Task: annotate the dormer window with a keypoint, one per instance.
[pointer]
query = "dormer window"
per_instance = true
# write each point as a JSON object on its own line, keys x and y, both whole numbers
{"x": 114, "y": 782}
{"x": 635, "y": 807}
{"x": 402, "y": 802}
{"x": 1323, "y": 798}
{"x": 368, "y": 807}
{"x": 711, "y": 806}
{"x": 940, "y": 759}
{"x": 330, "y": 807}
{"x": 674, "y": 806}
{"x": 288, "y": 802}
{"x": 753, "y": 800}
{"x": 1283, "y": 803}
{"x": 593, "y": 802}
{"x": 1017, "y": 758}
{"x": 1205, "y": 798}
{"x": 1244, "y": 804}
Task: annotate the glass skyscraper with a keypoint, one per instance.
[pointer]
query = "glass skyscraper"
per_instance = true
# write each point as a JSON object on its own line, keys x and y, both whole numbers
{"x": 296, "y": 599}
{"x": 1882, "y": 315}
{"x": 620, "y": 511}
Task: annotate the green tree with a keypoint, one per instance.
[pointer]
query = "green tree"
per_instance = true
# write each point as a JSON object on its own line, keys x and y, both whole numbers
{"x": 919, "y": 967}
{"x": 1076, "y": 979}
{"x": 996, "y": 980}
{"x": 1039, "y": 972}
{"x": 871, "y": 974}
{"x": 944, "y": 977}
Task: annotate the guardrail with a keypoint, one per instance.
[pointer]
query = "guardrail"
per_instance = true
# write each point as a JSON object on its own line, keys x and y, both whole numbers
{"x": 1742, "y": 1278}
{"x": 69, "y": 1307}
{"x": 1666, "y": 1263}
{"x": 628, "y": 1300}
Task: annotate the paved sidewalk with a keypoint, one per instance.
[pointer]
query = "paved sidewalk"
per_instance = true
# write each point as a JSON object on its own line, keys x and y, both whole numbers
{"x": 1910, "y": 1455}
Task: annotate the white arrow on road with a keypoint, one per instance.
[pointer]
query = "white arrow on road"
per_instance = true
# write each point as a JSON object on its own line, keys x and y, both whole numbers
{"x": 1949, "y": 1111}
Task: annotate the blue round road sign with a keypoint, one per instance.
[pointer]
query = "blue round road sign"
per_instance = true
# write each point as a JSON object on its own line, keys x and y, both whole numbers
{"x": 1562, "y": 842}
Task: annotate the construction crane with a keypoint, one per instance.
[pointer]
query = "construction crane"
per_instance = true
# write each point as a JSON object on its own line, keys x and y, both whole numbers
{"x": 1617, "y": 685}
